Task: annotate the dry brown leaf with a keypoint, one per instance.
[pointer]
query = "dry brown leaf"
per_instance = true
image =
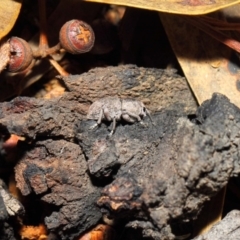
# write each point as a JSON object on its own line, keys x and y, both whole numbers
{"x": 208, "y": 65}
{"x": 9, "y": 11}
{"x": 4, "y": 55}
{"x": 53, "y": 89}
{"x": 189, "y": 7}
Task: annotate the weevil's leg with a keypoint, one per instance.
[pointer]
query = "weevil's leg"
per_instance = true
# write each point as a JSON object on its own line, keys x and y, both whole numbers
{"x": 149, "y": 115}
{"x": 106, "y": 114}
{"x": 143, "y": 123}
{"x": 98, "y": 121}
{"x": 127, "y": 115}
{"x": 132, "y": 115}
{"x": 127, "y": 118}
{"x": 93, "y": 126}
{"x": 113, "y": 127}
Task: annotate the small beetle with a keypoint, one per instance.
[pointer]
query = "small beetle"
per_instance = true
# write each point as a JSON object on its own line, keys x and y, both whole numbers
{"x": 113, "y": 109}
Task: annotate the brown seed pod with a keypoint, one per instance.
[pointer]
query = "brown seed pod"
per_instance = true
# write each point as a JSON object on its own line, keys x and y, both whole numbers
{"x": 76, "y": 37}
{"x": 21, "y": 55}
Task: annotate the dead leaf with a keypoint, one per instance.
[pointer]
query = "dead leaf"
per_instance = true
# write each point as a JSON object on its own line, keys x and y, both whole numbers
{"x": 4, "y": 55}
{"x": 188, "y": 7}
{"x": 9, "y": 11}
{"x": 208, "y": 65}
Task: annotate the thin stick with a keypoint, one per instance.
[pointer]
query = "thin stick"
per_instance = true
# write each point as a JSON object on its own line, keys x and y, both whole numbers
{"x": 221, "y": 37}
{"x": 59, "y": 68}
{"x": 47, "y": 52}
{"x": 43, "y": 40}
{"x": 221, "y": 25}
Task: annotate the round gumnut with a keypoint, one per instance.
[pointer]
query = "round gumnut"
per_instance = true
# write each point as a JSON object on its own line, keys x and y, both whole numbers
{"x": 76, "y": 37}
{"x": 21, "y": 55}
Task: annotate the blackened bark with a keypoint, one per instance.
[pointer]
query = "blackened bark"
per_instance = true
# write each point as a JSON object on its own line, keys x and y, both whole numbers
{"x": 153, "y": 177}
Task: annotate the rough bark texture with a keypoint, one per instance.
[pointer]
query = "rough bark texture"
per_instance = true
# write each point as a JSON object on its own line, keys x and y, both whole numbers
{"x": 52, "y": 165}
{"x": 168, "y": 171}
{"x": 153, "y": 178}
{"x": 207, "y": 155}
{"x": 9, "y": 206}
{"x": 6, "y": 231}
{"x": 158, "y": 89}
{"x": 57, "y": 171}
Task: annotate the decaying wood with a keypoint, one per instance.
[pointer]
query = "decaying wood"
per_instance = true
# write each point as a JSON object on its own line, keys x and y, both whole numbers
{"x": 6, "y": 231}
{"x": 13, "y": 206}
{"x": 9, "y": 206}
{"x": 157, "y": 89}
{"x": 171, "y": 168}
{"x": 152, "y": 178}
{"x": 57, "y": 171}
{"x": 53, "y": 166}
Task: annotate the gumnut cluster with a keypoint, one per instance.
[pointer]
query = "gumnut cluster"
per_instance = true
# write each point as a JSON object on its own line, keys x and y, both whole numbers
{"x": 75, "y": 37}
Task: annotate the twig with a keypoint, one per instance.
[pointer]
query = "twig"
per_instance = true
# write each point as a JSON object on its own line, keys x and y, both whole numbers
{"x": 48, "y": 51}
{"x": 58, "y": 67}
{"x": 216, "y": 34}
{"x": 43, "y": 40}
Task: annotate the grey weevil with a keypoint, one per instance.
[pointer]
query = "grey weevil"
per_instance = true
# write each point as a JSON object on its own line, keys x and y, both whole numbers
{"x": 114, "y": 109}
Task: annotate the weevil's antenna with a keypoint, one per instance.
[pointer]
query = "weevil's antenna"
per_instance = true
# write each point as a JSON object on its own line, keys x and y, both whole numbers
{"x": 149, "y": 115}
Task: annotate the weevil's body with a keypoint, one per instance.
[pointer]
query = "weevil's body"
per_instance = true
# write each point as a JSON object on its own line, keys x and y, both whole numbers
{"x": 113, "y": 109}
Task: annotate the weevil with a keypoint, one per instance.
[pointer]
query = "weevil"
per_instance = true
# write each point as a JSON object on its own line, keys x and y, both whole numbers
{"x": 115, "y": 109}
